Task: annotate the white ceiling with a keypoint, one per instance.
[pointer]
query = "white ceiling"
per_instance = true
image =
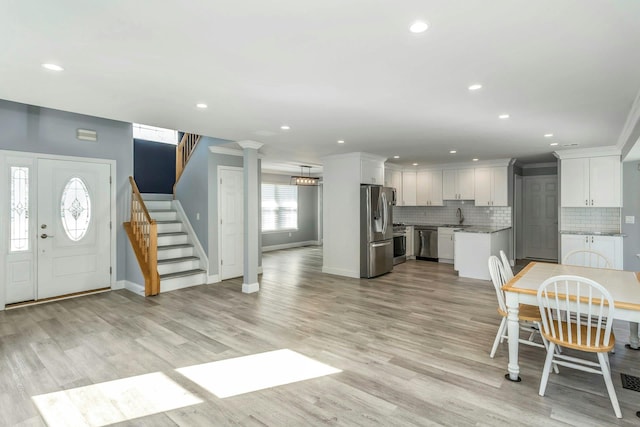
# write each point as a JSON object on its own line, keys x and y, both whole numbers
{"x": 337, "y": 69}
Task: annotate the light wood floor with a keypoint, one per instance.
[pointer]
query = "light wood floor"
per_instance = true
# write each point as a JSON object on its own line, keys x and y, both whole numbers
{"x": 413, "y": 346}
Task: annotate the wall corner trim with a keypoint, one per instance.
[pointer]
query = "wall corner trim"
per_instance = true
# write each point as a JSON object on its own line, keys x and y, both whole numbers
{"x": 249, "y": 288}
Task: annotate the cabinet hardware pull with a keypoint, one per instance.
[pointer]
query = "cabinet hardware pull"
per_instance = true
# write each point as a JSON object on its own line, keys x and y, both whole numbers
{"x": 586, "y": 202}
{"x": 591, "y": 202}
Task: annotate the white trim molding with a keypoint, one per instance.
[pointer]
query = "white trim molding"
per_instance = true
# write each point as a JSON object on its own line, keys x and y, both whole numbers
{"x": 579, "y": 153}
{"x": 249, "y": 288}
{"x": 341, "y": 272}
{"x": 290, "y": 245}
{"x": 250, "y": 144}
{"x": 216, "y": 149}
{"x": 213, "y": 278}
{"x": 133, "y": 287}
{"x": 193, "y": 238}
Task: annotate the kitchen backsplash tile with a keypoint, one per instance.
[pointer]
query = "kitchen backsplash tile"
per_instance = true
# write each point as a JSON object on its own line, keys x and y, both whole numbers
{"x": 473, "y": 215}
{"x": 590, "y": 219}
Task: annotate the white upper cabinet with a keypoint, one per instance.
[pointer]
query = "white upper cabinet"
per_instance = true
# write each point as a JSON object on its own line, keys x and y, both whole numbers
{"x": 429, "y": 188}
{"x": 593, "y": 182}
{"x": 458, "y": 184}
{"x": 492, "y": 186}
{"x": 409, "y": 188}
{"x": 371, "y": 171}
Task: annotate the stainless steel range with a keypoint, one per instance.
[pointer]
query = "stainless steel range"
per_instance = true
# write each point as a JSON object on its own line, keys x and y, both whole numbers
{"x": 399, "y": 243}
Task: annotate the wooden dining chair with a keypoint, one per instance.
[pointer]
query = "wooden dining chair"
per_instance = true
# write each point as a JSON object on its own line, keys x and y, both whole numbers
{"x": 585, "y": 327}
{"x": 528, "y": 316}
{"x": 587, "y": 258}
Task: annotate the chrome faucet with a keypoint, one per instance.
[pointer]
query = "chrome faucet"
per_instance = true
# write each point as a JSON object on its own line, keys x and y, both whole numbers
{"x": 459, "y": 216}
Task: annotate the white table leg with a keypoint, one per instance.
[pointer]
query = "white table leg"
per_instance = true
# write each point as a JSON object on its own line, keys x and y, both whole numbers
{"x": 633, "y": 336}
{"x": 513, "y": 328}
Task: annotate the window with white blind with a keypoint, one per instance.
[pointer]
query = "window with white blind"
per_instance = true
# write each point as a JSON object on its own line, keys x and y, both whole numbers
{"x": 279, "y": 207}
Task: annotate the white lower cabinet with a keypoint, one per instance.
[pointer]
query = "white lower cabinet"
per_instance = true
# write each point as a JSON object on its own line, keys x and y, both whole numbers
{"x": 445, "y": 244}
{"x": 609, "y": 246}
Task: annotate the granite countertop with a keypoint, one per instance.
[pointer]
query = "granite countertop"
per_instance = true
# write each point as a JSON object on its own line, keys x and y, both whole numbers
{"x": 486, "y": 229}
{"x": 594, "y": 233}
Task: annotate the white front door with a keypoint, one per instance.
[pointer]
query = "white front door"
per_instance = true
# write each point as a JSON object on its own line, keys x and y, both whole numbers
{"x": 541, "y": 217}
{"x": 73, "y": 227}
{"x": 231, "y": 212}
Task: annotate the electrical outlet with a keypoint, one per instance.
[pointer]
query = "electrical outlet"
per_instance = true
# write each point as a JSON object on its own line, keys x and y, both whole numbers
{"x": 198, "y": 216}
{"x": 630, "y": 219}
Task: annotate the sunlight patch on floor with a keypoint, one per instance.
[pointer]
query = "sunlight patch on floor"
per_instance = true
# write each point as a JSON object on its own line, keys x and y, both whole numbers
{"x": 245, "y": 374}
{"x": 113, "y": 401}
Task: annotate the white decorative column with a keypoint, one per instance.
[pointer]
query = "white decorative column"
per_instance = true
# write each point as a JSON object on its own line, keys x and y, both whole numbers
{"x": 251, "y": 216}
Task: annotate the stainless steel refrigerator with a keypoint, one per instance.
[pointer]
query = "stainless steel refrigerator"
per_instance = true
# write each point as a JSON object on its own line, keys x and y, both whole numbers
{"x": 376, "y": 230}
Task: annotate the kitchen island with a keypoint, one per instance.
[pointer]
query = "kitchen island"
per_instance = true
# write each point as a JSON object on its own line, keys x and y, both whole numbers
{"x": 473, "y": 247}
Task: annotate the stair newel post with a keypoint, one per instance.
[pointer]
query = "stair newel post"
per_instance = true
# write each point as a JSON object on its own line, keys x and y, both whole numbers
{"x": 153, "y": 257}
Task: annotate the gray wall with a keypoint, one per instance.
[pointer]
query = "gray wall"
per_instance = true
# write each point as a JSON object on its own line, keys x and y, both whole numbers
{"x": 41, "y": 130}
{"x": 192, "y": 191}
{"x": 631, "y": 206}
{"x": 307, "y": 215}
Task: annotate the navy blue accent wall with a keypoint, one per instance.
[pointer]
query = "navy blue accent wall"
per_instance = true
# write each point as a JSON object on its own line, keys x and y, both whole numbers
{"x": 154, "y": 166}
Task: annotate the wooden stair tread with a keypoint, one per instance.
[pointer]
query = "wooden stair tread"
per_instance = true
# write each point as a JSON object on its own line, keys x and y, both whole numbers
{"x": 179, "y": 259}
{"x": 181, "y": 274}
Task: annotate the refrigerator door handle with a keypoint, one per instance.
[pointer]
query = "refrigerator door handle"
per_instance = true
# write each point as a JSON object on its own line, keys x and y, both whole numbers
{"x": 384, "y": 213}
{"x": 385, "y": 243}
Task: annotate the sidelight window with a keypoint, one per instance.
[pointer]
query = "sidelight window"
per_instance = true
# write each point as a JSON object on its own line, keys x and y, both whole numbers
{"x": 75, "y": 209}
{"x": 19, "y": 215}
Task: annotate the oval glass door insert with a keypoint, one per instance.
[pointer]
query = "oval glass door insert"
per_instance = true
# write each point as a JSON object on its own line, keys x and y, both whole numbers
{"x": 75, "y": 209}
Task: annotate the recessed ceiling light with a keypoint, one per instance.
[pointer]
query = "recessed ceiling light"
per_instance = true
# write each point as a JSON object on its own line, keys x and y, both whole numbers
{"x": 341, "y": 141}
{"x": 285, "y": 127}
{"x": 396, "y": 157}
{"x": 553, "y": 144}
{"x": 452, "y": 152}
{"x": 548, "y": 135}
{"x": 418, "y": 27}
{"x": 475, "y": 160}
{"x": 503, "y": 116}
{"x": 475, "y": 86}
{"x": 53, "y": 67}
{"x": 202, "y": 106}
{"x": 415, "y": 164}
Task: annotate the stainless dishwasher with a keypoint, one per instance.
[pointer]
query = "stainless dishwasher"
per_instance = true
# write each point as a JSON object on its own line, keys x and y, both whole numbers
{"x": 426, "y": 242}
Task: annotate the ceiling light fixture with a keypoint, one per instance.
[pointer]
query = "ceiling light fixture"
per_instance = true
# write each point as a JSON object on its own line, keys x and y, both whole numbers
{"x": 201, "y": 106}
{"x": 553, "y": 144}
{"x": 304, "y": 179}
{"x": 396, "y": 157}
{"x": 285, "y": 127}
{"x": 475, "y": 160}
{"x": 419, "y": 27}
{"x": 52, "y": 67}
{"x": 341, "y": 141}
{"x": 548, "y": 135}
{"x": 503, "y": 116}
{"x": 475, "y": 86}
{"x": 452, "y": 152}
{"x": 414, "y": 164}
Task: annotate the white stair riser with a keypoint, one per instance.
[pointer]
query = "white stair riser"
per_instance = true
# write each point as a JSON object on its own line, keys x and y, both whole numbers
{"x": 154, "y": 205}
{"x": 170, "y": 228}
{"x": 163, "y": 216}
{"x": 173, "y": 240}
{"x": 175, "y": 267}
{"x": 167, "y": 285}
{"x": 175, "y": 253}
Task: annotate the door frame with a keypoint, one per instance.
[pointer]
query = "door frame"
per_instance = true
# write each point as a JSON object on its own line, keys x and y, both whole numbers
{"x": 219, "y": 209}
{"x": 4, "y": 216}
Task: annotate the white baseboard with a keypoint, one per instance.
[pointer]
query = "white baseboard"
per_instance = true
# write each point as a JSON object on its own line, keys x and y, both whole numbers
{"x": 341, "y": 272}
{"x": 290, "y": 245}
{"x": 249, "y": 288}
{"x": 259, "y": 269}
{"x": 118, "y": 285}
{"x": 134, "y": 287}
{"x": 213, "y": 278}
{"x": 193, "y": 237}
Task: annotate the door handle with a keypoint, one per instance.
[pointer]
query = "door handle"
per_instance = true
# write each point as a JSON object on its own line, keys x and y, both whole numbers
{"x": 377, "y": 245}
{"x": 45, "y": 235}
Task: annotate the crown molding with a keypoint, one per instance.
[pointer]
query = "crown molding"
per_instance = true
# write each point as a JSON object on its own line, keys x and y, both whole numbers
{"x": 578, "y": 153}
{"x": 250, "y": 144}
{"x": 216, "y": 149}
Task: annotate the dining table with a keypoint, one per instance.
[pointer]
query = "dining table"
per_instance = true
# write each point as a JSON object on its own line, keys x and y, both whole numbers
{"x": 624, "y": 287}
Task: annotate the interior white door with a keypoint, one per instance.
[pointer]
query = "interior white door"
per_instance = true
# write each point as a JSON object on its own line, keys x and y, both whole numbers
{"x": 73, "y": 227}
{"x": 541, "y": 217}
{"x": 231, "y": 204}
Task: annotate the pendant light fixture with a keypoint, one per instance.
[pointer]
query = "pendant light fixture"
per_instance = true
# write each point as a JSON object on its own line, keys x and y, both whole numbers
{"x": 304, "y": 179}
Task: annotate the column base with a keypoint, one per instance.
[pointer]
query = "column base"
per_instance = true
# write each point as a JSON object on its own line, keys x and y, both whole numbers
{"x": 249, "y": 288}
